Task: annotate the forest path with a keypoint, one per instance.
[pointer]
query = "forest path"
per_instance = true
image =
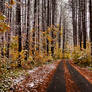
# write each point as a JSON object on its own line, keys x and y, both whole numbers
{"x": 68, "y": 79}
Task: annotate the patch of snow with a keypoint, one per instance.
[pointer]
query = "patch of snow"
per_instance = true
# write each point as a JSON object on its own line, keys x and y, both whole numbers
{"x": 31, "y": 71}
{"x": 89, "y": 67}
{"x": 31, "y": 85}
{"x": 41, "y": 80}
{"x": 36, "y": 76}
{"x": 18, "y": 79}
{"x": 52, "y": 66}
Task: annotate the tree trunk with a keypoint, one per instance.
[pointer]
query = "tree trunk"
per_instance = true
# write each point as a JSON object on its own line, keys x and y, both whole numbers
{"x": 90, "y": 11}
{"x": 18, "y": 23}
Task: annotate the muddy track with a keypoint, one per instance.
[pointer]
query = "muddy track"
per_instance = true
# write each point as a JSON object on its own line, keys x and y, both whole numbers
{"x": 81, "y": 82}
{"x": 68, "y": 79}
{"x": 58, "y": 83}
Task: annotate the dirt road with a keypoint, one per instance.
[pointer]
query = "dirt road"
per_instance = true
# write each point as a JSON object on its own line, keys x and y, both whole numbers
{"x": 68, "y": 79}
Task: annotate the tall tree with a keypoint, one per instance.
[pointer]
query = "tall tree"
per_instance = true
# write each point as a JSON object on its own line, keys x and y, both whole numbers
{"x": 74, "y": 18}
{"x": 18, "y": 23}
{"x": 9, "y": 32}
{"x": 59, "y": 33}
{"x": 28, "y": 29}
{"x": 38, "y": 24}
{"x": 80, "y": 24}
{"x": 2, "y": 8}
{"x": 48, "y": 23}
{"x": 84, "y": 22}
{"x": 53, "y": 24}
{"x": 90, "y": 11}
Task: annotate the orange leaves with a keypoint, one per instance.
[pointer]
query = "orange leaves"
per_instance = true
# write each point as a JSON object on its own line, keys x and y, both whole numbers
{"x": 12, "y": 2}
{"x": 4, "y": 27}
{"x": 49, "y": 38}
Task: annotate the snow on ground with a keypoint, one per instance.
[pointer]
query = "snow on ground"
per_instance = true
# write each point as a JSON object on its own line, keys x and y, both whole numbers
{"x": 18, "y": 80}
{"x": 35, "y": 79}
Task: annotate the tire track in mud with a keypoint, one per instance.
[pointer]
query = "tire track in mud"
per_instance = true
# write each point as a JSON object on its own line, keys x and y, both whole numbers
{"x": 70, "y": 84}
{"x": 81, "y": 82}
{"x": 58, "y": 82}
{"x": 68, "y": 79}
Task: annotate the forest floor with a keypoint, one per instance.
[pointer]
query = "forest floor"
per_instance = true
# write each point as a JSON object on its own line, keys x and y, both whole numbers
{"x": 59, "y": 76}
{"x": 35, "y": 80}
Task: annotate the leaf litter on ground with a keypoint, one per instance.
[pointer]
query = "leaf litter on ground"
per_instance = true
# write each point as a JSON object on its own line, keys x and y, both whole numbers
{"x": 35, "y": 80}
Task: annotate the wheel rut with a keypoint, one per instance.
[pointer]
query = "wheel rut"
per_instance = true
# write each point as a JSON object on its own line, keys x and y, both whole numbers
{"x": 58, "y": 82}
{"x": 68, "y": 79}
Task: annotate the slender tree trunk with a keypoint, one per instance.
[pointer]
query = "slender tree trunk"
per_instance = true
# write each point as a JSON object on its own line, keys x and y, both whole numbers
{"x": 9, "y": 34}
{"x": 18, "y": 23}
{"x": 84, "y": 23}
{"x": 2, "y": 8}
{"x": 53, "y": 24}
{"x": 74, "y": 18}
{"x": 48, "y": 24}
{"x": 59, "y": 33}
{"x": 38, "y": 25}
{"x": 80, "y": 25}
{"x": 28, "y": 29}
{"x": 90, "y": 11}
{"x": 63, "y": 49}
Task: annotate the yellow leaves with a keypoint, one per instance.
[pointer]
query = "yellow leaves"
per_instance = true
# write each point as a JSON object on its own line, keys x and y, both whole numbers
{"x": 13, "y": 64}
{"x": 49, "y": 29}
{"x": 2, "y": 17}
{"x": 12, "y": 2}
{"x": 49, "y": 38}
{"x": 67, "y": 55}
{"x": 57, "y": 25}
{"x": 61, "y": 31}
{"x": 4, "y": 27}
{"x": 9, "y": 5}
{"x": 30, "y": 58}
{"x": 47, "y": 59}
{"x": 14, "y": 55}
{"x": 22, "y": 54}
{"x": 38, "y": 57}
{"x": 15, "y": 38}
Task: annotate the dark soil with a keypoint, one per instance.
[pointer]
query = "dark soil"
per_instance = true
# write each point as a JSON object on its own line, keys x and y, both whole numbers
{"x": 58, "y": 82}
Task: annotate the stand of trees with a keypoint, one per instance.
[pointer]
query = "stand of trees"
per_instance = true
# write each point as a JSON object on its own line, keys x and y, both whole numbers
{"x": 81, "y": 16}
{"x": 32, "y": 30}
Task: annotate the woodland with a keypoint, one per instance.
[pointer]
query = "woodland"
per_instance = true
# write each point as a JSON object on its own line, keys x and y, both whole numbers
{"x": 39, "y": 33}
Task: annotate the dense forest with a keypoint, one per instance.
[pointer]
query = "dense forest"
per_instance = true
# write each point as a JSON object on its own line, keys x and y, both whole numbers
{"x": 35, "y": 33}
